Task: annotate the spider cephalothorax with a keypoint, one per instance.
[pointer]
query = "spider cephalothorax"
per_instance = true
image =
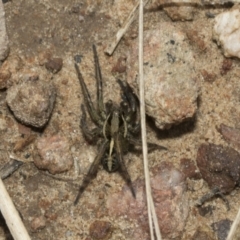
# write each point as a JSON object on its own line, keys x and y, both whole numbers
{"x": 116, "y": 127}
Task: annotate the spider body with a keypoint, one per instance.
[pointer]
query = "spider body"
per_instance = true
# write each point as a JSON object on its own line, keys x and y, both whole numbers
{"x": 116, "y": 128}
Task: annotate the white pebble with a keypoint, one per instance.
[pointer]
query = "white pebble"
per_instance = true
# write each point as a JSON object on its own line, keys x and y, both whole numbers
{"x": 226, "y": 32}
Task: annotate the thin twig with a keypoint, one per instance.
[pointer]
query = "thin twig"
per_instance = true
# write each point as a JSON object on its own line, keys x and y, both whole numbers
{"x": 8, "y": 210}
{"x": 111, "y": 47}
{"x": 114, "y": 42}
{"x": 11, "y": 215}
{"x": 151, "y": 209}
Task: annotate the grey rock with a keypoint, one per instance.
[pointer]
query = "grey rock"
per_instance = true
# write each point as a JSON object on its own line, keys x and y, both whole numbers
{"x": 32, "y": 102}
{"x": 171, "y": 88}
{"x": 54, "y": 154}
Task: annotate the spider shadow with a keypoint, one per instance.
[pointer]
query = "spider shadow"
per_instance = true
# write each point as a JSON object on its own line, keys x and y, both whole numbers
{"x": 175, "y": 131}
{"x": 4, "y": 226}
{"x": 189, "y": 4}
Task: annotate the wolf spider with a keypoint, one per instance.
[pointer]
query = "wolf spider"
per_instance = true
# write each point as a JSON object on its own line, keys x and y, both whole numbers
{"x": 116, "y": 126}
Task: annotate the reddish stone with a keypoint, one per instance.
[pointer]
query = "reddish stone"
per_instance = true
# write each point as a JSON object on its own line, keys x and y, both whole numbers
{"x": 100, "y": 230}
{"x": 219, "y": 166}
{"x": 54, "y": 152}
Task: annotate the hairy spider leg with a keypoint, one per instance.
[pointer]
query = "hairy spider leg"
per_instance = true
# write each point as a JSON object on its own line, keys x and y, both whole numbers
{"x": 128, "y": 94}
{"x": 122, "y": 168}
{"x": 92, "y": 111}
{"x": 151, "y": 146}
{"x": 129, "y": 100}
{"x": 90, "y": 135}
{"x": 92, "y": 172}
{"x": 100, "y": 105}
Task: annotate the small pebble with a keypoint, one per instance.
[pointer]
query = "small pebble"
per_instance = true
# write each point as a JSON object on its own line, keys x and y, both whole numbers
{"x": 100, "y": 230}
{"x": 55, "y": 154}
{"x": 32, "y": 102}
{"x": 54, "y": 65}
{"x": 219, "y": 166}
{"x": 208, "y": 76}
{"x": 226, "y": 32}
{"x": 231, "y": 135}
{"x": 38, "y": 223}
{"x": 222, "y": 228}
{"x": 196, "y": 39}
{"x": 120, "y": 66}
{"x": 189, "y": 169}
{"x": 226, "y": 66}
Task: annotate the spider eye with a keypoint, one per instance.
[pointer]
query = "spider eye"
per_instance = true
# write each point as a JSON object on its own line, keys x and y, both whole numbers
{"x": 110, "y": 164}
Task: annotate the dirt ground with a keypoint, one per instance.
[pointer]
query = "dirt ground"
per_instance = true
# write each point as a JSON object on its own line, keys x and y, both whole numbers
{"x": 67, "y": 29}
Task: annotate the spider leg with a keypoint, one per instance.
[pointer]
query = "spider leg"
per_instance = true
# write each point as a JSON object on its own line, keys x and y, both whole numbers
{"x": 122, "y": 168}
{"x": 151, "y": 146}
{"x": 129, "y": 101}
{"x": 92, "y": 172}
{"x": 214, "y": 192}
{"x": 92, "y": 111}
{"x": 98, "y": 75}
{"x": 90, "y": 135}
{"x": 128, "y": 95}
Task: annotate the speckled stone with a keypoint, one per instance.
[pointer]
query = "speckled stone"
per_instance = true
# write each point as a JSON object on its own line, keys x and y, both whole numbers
{"x": 170, "y": 198}
{"x": 54, "y": 154}
{"x": 32, "y": 102}
{"x": 171, "y": 88}
{"x": 219, "y": 166}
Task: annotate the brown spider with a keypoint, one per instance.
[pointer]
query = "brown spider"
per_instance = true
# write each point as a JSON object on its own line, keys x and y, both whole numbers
{"x": 116, "y": 126}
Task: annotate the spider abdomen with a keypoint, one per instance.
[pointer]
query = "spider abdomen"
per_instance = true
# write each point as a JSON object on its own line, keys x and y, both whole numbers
{"x": 114, "y": 163}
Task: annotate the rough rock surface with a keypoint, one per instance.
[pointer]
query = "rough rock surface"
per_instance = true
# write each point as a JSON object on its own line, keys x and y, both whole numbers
{"x": 100, "y": 230}
{"x": 54, "y": 154}
{"x": 32, "y": 102}
{"x": 171, "y": 88}
{"x": 171, "y": 202}
{"x": 4, "y": 47}
{"x": 219, "y": 166}
{"x": 231, "y": 135}
{"x": 226, "y": 32}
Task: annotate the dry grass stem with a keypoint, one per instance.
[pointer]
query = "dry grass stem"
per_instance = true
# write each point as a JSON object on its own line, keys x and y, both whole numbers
{"x": 11, "y": 215}
{"x": 152, "y": 217}
{"x": 112, "y": 46}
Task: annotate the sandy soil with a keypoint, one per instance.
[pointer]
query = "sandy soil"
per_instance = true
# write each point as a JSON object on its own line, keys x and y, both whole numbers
{"x": 68, "y": 28}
